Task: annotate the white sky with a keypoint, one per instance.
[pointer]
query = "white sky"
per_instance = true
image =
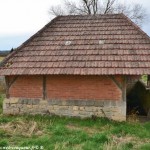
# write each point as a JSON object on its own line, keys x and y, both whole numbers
{"x": 19, "y": 19}
{"x": 23, "y": 16}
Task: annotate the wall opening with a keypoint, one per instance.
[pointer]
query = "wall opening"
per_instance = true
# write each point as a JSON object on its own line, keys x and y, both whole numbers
{"x": 138, "y": 99}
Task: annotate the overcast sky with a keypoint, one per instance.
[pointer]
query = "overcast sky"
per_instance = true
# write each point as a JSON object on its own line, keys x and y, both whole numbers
{"x": 19, "y": 19}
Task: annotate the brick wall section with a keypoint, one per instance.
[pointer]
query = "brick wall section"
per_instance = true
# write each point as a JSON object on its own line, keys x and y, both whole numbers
{"x": 66, "y": 87}
{"x": 26, "y": 86}
{"x": 82, "y": 87}
{"x": 79, "y": 96}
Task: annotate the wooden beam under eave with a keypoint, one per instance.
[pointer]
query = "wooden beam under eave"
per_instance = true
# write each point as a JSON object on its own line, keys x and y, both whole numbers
{"x": 9, "y": 84}
{"x": 116, "y": 82}
{"x": 122, "y": 87}
{"x": 13, "y": 81}
{"x": 44, "y": 87}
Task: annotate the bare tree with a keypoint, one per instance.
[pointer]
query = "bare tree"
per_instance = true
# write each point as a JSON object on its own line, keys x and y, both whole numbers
{"x": 135, "y": 12}
{"x": 109, "y": 6}
{"x": 56, "y": 10}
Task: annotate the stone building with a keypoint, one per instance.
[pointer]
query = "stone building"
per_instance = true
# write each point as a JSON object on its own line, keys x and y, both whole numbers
{"x": 76, "y": 66}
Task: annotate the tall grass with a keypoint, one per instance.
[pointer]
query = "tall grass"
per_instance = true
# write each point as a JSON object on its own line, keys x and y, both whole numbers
{"x": 63, "y": 133}
{"x": 1, "y": 102}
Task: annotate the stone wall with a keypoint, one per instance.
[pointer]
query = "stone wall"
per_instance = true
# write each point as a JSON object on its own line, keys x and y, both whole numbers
{"x": 115, "y": 110}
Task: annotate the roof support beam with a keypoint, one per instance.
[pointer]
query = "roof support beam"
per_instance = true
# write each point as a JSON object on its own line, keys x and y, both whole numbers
{"x": 13, "y": 81}
{"x": 115, "y": 81}
{"x": 44, "y": 87}
{"x": 122, "y": 86}
{"x": 9, "y": 84}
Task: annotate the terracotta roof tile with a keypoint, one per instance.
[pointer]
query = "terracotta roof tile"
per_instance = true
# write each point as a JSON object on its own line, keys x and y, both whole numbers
{"x": 98, "y": 45}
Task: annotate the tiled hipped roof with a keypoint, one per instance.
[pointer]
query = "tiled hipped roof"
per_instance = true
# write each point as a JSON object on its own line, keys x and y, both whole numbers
{"x": 83, "y": 45}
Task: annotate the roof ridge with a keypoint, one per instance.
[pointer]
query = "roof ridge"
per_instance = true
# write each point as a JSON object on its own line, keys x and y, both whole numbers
{"x": 135, "y": 25}
{"x": 90, "y": 15}
{"x": 27, "y": 41}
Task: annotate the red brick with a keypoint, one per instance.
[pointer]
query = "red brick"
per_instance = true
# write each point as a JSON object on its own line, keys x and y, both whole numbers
{"x": 27, "y": 87}
{"x": 66, "y": 87}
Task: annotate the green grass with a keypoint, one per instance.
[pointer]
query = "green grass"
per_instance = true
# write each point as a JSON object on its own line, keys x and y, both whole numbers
{"x": 62, "y": 133}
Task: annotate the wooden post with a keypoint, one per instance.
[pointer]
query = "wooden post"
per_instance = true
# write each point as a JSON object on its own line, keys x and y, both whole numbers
{"x": 7, "y": 86}
{"x": 44, "y": 87}
{"x": 124, "y": 89}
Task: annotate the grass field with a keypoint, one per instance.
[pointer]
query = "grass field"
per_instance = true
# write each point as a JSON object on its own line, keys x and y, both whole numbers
{"x": 56, "y": 133}
{"x": 1, "y": 58}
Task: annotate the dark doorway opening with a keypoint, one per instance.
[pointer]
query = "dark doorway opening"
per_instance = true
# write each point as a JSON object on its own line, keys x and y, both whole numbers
{"x": 138, "y": 100}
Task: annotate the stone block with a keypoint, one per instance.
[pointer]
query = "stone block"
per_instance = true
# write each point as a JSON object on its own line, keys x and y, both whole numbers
{"x": 90, "y": 103}
{"x": 35, "y": 107}
{"x": 107, "y": 103}
{"x": 63, "y": 107}
{"x": 86, "y": 114}
{"x": 43, "y": 102}
{"x": 96, "y": 109}
{"x": 75, "y": 108}
{"x": 70, "y": 108}
{"x": 5, "y": 106}
{"x": 82, "y": 108}
{"x": 114, "y": 103}
{"x": 19, "y": 105}
{"x": 64, "y": 103}
{"x": 43, "y": 106}
{"x": 16, "y": 111}
{"x": 13, "y": 100}
{"x": 52, "y": 102}
{"x": 6, "y": 100}
{"x": 56, "y": 107}
{"x": 72, "y": 102}
{"x": 8, "y": 111}
{"x": 29, "y": 106}
{"x": 83, "y": 103}
{"x": 99, "y": 114}
{"x": 28, "y": 101}
{"x": 35, "y": 101}
{"x": 13, "y": 105}
{"x": 75, "y": 113}
{"x": 89, "y": 109}
{"x": 23, "y": 101}
{"x": 50, "y": 107}
{"x": 99, "y": 103}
